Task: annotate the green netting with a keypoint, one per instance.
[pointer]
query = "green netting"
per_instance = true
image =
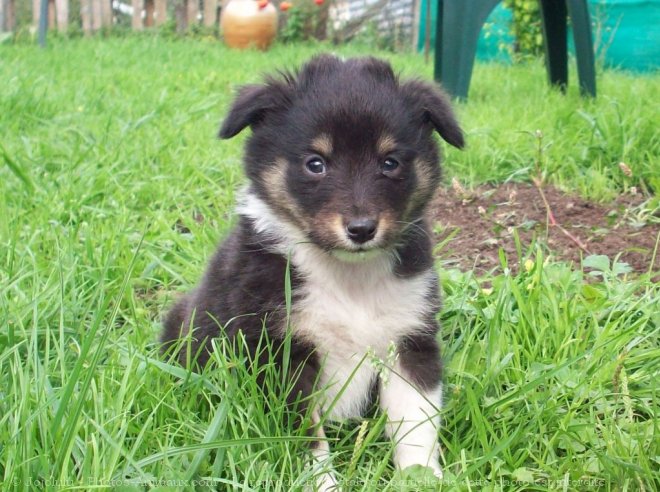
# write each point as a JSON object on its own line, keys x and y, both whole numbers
{"x": 626, "y": 33}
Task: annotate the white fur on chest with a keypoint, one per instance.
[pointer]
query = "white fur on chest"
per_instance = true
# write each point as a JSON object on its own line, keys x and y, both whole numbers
{"x": 351, "y": 313}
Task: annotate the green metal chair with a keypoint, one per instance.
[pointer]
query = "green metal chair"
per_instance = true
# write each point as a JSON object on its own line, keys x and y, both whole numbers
{"x": 460, "y": 21}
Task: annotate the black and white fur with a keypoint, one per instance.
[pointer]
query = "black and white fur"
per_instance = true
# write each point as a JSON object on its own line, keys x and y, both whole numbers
{"x": 342, "y": 165}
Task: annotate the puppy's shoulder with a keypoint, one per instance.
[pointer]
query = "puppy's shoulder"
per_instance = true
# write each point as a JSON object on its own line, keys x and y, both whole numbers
{"x": 245, "y": 275}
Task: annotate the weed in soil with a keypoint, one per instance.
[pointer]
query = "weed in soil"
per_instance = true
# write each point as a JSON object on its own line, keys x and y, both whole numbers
{"x": 472, "y": 226}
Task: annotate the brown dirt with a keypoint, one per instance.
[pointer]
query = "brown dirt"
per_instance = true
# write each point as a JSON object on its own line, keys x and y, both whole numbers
{"x": 482, "y": 221}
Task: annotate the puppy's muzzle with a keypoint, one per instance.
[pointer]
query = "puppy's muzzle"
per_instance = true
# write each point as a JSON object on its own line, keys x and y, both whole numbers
{"x": 361, "y": 230}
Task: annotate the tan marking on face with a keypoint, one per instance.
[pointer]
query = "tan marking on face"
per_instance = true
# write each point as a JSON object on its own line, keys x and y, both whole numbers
{"x": 322, "y": 145}
{"x": 424, "y": 189}
{"x": 386, "y": 223}
{"x": 329, "y": 226}
{"x": 386, "y": 144}
{"x": 274, "y": 180}
{"x": 424, "y": 175}
{"x": 337, "y": 226}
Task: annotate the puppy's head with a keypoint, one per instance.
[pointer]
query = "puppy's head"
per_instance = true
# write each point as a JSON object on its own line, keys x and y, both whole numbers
{"x": 343, "y": 151}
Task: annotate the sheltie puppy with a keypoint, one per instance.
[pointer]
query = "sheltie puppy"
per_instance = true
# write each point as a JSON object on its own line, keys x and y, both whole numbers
{"x": 342, "y": 163}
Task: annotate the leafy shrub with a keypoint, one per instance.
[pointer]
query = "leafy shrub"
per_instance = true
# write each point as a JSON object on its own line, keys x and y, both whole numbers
{"x": 293, "y": 28}
{"x": 305, "y": 19}
{"x": 526, "y": 26}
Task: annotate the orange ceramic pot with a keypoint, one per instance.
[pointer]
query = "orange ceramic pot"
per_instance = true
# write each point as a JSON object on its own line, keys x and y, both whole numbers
{"x": 244, "y": 24}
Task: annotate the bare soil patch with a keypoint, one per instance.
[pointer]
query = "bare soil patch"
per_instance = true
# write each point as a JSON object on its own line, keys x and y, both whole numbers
{"x": 477, "y": 224}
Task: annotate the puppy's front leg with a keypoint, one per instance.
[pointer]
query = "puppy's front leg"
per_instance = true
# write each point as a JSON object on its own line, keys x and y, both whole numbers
{"x": 412, "y": 396}
{"x": 304, "y": 378}
{"x": 325, "y": 481}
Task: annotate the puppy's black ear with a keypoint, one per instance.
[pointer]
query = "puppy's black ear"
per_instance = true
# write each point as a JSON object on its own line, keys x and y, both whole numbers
{"x": 252, "y": 104}
{"x": 434, "y": 106}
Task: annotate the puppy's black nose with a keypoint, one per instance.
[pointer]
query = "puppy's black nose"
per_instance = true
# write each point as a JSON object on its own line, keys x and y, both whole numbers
{"x": 361, "y": 230}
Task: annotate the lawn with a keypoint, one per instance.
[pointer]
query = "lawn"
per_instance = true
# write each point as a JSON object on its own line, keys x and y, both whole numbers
{"x": 114, "y": 191}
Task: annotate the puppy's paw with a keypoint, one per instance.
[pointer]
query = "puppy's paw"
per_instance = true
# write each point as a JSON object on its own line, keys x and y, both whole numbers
{"x": 325, "y": 482}
{"x": 421, "y": 475}
{"x": 410, "y": 461}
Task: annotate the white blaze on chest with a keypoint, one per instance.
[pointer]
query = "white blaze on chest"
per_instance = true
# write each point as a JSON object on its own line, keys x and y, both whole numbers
{"x": 351, "y": 312}
{"x": 347, "y": 310}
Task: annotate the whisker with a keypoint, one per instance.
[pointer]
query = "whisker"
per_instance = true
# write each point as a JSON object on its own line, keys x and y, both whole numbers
{"x": 416, "y": 226}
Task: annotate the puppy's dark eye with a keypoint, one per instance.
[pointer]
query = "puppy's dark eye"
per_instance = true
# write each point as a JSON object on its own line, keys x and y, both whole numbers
{"x": 315, "y": 165}
{"x": 390, "y": 166}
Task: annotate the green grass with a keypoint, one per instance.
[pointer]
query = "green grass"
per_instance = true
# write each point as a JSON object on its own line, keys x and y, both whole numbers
{"x": 107, "y": 144}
